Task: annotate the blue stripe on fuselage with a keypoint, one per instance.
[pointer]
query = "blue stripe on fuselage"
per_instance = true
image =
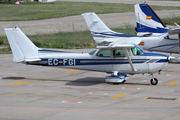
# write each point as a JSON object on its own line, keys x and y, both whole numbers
{"x": 111, "y": 34}
{"x": 153, "y": 54}
{"x": 47, "y": 50}
{"x": 73, "y": 62}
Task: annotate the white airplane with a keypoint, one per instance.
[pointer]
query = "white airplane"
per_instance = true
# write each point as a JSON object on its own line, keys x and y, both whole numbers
{"x": 118, "y": 58}
{"x": 152, "y": 42}
{"x": 149, "y": 24}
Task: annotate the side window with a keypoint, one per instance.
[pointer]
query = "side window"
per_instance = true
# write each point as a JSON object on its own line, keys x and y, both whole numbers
{"x": 104, "y": 53}
{"x": 119, "y": 53}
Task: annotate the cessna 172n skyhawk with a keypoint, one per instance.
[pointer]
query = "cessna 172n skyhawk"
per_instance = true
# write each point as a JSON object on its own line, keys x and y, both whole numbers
{"x": 159, "y": 42}
{"x": 118, "y": 58}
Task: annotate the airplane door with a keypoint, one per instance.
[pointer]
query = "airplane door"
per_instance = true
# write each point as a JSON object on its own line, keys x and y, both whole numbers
{"x": 121, "y": 62}
{"x": 105, "y": 60}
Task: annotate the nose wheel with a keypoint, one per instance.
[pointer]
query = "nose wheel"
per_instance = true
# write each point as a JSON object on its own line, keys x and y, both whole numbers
{"x": 154, "y": 81}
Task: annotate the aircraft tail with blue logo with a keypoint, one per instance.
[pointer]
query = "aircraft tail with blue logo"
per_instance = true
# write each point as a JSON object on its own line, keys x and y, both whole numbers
{"x": 147, "y": 21}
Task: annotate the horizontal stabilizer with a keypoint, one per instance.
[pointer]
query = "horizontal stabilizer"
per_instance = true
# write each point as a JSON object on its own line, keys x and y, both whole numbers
{"x": 174, "y": 31}
{"x": 32, "y": 60}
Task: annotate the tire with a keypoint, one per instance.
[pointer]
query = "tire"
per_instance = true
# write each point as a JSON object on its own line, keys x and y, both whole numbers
{"x": 115, "y": 83}
{"x": 154, "y": 82}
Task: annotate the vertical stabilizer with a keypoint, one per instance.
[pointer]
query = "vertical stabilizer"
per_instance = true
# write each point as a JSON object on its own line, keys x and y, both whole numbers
{"x": 147, "y": 20}
{"x": 94, "y": 23}
{"x": 100, "y": 32}
{"x": 22, "y": 48}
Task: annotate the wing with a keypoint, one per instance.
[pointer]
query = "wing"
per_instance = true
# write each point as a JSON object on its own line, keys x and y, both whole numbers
{"x": 122, "y": 45}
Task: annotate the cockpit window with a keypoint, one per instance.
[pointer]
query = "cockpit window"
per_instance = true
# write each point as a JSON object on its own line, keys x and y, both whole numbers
{"x": 104, "y": 53}
{"x": 119, "y": 53}
{"x": 136, "y": 50}
{"x": 92, "y": 52}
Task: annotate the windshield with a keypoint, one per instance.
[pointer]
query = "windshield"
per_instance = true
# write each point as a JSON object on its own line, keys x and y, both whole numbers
{"x": 136, "y": 50}
{"x": 92, "y": 52}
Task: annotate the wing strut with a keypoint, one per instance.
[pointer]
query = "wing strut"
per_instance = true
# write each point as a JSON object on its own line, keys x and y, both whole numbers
{"x": 129, "y": 59}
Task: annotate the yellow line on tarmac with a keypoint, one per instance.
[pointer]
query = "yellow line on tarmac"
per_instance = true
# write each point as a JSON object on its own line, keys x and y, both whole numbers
{"x": 71, "y": 71}
{"x": 19, "y": 83}
{"x": 176, "y": 99}
{"x": 118, "y": 96}
{"x": 173, "y": 82}
{"x": 146, "y": 97}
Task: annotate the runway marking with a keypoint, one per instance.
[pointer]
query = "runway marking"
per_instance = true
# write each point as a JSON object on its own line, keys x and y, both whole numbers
{"x": 82, "y": 111}
{"x": 98, "y": 93}
{"x": 176, "y": 99}
{"x": 118, "y": 96}
{"x": 130, "y": 88}
{"x": 173, "y": 75}
{"x": 19, "y": 83}
{"x": 70, "y": 102}
{"x": 173, "y": 83}
{"x": 72, "y": 71}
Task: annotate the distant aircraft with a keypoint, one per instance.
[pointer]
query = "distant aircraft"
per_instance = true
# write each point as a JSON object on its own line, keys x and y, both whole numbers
{"x": 149, "y": 24}
{"x": 118, "y": 58}
{"x": 162, "y": 41}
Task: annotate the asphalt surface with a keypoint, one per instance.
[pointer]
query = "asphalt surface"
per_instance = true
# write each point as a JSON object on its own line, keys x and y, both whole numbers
{"x": 48, "y": 93}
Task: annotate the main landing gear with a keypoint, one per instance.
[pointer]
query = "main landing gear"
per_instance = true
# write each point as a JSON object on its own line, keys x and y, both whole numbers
{"x": 154, "y": 81}
{"x": 116, "y": 78}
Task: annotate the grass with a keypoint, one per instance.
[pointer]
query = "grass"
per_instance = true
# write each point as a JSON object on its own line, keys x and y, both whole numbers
{"x": 170, "y": 21}
{"x": 39, "y": 11}
{"x": 63, "y": 40}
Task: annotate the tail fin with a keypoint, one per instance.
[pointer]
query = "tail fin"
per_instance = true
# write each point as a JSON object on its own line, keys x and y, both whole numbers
{"x": 147, "y": 20}
{"x": 100, "y": 32}
{"x": 94, "y": 23}
{"x": 22, "y": 48}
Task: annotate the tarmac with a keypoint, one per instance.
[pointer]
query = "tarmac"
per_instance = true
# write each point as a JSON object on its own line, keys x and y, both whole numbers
{"x": 46, "y": 93}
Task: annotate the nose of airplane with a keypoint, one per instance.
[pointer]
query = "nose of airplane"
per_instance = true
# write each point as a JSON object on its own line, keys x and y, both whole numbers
{"x": 170, "y": 58}
{"x": 157, "y": 61}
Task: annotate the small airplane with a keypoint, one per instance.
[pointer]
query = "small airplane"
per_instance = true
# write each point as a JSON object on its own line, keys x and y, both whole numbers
{"x": 117, "y": 58}
{"x": 149, "y": 24}
{"x": 161, "y": 42}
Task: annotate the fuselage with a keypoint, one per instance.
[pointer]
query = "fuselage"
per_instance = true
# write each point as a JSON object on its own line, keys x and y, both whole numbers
{"x": 104, "y": 61}
{"x": 162, "y": 43}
